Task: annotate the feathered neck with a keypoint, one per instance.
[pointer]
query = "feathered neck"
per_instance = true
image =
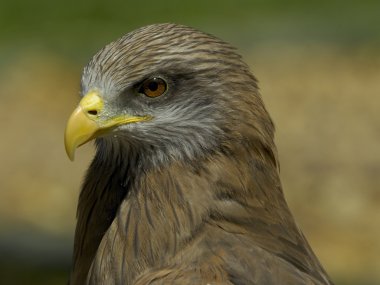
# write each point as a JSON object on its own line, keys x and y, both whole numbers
{"x": 107, "y": 182}
{"x": 130, "y": 219}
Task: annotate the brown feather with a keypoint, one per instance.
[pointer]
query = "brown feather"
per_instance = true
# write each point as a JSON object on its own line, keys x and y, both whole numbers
{"x": 216, "y": 215}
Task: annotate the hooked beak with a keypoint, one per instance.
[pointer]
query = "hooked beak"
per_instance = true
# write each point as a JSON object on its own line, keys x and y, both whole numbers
{"x": 87, "y": 122}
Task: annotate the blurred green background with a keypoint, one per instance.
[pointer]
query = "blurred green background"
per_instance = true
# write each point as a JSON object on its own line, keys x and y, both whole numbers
{"x": 318, "y": 63}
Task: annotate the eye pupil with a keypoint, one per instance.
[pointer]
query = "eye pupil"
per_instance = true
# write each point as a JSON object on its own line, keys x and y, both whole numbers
{"x": 153, "y": 87}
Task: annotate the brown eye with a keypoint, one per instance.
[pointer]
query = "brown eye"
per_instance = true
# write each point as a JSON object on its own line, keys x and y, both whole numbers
{"x": 153, "y": 87}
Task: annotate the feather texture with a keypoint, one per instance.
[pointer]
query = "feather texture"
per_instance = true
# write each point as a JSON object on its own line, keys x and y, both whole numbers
{"x": 194, "y": 196}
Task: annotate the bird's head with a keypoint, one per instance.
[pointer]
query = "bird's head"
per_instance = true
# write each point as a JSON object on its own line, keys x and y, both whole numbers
{"x": 170, "y": 90}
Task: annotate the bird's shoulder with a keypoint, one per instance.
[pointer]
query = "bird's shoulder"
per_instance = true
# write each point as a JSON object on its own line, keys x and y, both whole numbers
{"x": 224, "y": 259}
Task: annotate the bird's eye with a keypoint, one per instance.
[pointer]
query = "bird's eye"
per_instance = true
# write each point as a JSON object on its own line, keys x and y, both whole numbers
{"x": 153, "y": 87}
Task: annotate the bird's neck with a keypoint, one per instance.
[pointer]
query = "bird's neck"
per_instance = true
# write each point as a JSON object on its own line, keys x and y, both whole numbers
{"x": 106, "y": 185}
{"x": 144, "y": 218}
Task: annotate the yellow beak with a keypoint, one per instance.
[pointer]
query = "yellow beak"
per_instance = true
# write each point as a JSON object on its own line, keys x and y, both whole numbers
{"x": 87, "y": 122}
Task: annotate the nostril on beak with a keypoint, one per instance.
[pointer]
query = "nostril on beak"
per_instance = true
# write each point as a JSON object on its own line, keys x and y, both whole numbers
{"x": 92, "y": 112}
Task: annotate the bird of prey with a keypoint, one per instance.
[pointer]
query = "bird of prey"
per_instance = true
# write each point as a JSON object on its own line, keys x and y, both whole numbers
{"x": 184, "y": 187}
